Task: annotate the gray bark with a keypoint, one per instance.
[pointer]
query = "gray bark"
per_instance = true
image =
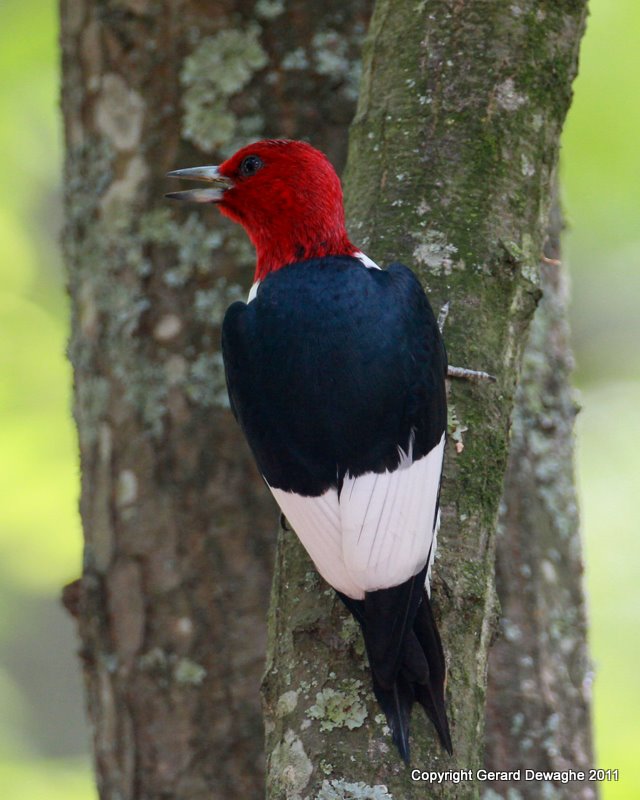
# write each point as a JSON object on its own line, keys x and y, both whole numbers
{"x": 538, "y": 695}
{"x": 179, "y": 530}
{"x": 451, "y": 161}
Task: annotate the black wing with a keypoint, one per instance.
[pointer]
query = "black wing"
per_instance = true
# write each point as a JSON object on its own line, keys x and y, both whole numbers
{"x": 331, "y": 368}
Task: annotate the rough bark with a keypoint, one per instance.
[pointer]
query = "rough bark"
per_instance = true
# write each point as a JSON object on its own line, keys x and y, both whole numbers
{"x": 178, "y": 526}
{"x": 451, "y": 160}
{"x": 538, "y": 695}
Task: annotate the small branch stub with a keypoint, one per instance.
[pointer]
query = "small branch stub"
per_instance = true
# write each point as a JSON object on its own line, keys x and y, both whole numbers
{"x": 469, "y": 374}
{"x": 461, "y": 372}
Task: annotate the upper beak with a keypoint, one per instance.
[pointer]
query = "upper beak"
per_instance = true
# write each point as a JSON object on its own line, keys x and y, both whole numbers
{"x": 209, "y": 174}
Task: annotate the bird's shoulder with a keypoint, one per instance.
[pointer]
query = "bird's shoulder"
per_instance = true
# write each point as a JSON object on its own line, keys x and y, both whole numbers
{"x": 344, "y": 286}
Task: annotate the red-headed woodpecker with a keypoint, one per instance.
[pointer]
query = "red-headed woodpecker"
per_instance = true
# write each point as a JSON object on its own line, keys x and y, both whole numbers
{"x": 336, "y": 373}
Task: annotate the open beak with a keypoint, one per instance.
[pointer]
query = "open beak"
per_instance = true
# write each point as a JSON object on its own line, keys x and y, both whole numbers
{"x": 208, "y": 174}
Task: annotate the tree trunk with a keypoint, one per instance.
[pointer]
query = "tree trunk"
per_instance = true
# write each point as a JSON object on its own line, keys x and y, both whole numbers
{"x": 178, "y": 526}
{"x": 538, "y": 694}
{"x": 451, "y": 164}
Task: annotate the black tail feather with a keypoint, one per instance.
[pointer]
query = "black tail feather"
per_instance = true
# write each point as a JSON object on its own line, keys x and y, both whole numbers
{"x": 430, "y": 695}
{"x": 388, "y": 619}
{"x": 417, "y": 671}
{"x": 396, "y": 704}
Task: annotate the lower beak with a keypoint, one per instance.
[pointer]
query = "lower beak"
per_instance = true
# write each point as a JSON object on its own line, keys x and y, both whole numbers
{"x": 209, "y": 174}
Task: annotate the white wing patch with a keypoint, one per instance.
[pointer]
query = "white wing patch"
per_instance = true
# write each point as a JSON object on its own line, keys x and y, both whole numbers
{"x": 316, "y": 520}
{"x": 379, "y": 532}
{"x": 387, "y": 521}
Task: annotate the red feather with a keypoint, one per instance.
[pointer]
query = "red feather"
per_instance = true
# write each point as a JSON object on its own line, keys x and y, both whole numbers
{"x": 291, "y": 208}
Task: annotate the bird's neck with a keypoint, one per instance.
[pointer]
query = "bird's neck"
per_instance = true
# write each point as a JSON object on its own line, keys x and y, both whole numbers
{"x": 274, "y": 252}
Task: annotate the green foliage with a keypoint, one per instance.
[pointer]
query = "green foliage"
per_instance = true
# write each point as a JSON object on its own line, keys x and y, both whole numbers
{"x": 600, "y": 171}
{"x": 600, "y": 168}
{"x": 50, "y": 779}
{"x": 40, "y": 544}
{"x": 608, "y": 464}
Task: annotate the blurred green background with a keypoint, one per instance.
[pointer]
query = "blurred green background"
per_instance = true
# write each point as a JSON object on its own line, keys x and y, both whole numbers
{"x": 43, "y": 747}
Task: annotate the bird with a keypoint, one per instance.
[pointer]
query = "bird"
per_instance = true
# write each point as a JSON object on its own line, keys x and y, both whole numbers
{"x": 335, "y": 371}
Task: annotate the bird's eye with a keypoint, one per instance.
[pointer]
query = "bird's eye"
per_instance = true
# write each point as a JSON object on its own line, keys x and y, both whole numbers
{"x": 250, "y": 165}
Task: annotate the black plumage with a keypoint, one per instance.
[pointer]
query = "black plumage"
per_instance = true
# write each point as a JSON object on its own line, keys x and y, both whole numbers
{"x": 332, "y": 368}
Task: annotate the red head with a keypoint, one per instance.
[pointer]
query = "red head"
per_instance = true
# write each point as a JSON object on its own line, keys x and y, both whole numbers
{"x": 287, "y": 197}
